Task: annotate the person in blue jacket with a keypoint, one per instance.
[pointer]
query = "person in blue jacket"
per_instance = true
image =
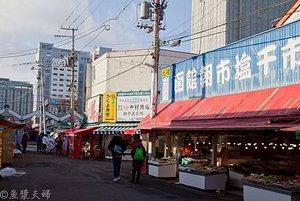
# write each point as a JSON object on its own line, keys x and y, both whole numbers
{"x": 117, "y": 147}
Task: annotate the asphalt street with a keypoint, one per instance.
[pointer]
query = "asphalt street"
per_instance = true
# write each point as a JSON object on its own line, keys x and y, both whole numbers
{"x": 59, "y": 178}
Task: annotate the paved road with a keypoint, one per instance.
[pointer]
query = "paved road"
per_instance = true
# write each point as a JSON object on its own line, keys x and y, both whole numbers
{"x": 86, "y": 180}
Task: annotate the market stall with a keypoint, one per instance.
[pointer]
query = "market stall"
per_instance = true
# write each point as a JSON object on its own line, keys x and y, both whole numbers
{"x": 108, "y": 130}
{"x": 205, "y": 179}
{"x": 6, "y": 141}
{"x": 77, "y": 143}
{"x": 162, "y": 168}
{"x": 273, "y": 187}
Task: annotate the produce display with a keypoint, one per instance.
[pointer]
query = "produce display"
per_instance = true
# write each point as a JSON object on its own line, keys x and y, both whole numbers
{"x": 292, "y": 182}
{"x": 163, "y": 160}
{"x": 201, "y": 165}
{"x": 287, "y": 168}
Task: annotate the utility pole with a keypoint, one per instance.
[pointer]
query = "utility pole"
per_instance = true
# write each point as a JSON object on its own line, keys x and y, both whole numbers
{"x": 155, "y": 57}
{"x": 157, "y": 7}
{"x": 72, "y": 62}
{"x": 40, "y": 78}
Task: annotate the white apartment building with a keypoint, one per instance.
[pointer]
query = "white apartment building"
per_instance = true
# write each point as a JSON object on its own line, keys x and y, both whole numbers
{"x": 57, "y": 78}
{"x": 123, "y": 71}
{"x": 216, "y": 23}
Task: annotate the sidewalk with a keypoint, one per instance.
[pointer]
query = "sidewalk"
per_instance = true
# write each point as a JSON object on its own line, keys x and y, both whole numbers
{"x": 87, "y": 180}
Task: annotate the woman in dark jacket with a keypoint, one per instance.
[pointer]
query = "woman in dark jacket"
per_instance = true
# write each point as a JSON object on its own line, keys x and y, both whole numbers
{"x": 137, "y": 161}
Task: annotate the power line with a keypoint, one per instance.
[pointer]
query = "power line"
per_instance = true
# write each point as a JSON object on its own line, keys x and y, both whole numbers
{"x": 237, "y": 19}
{"x": 90, "y": 31}
{"x": 95, "y": 8}
{"x": 196, "y": 14}
{"x": 94, "y": 29}
{"x": 69, "y": 16}
{"x": 118, "y": 74}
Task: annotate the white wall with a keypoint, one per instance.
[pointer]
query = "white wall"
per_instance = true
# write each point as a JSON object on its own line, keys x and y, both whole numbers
{"x": 112, "y": 66}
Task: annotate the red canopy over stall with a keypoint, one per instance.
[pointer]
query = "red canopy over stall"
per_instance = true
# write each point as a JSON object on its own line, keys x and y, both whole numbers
{"x": 74, "y": 139}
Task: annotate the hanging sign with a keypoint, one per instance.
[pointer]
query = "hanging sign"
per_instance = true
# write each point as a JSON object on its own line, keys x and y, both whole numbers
{"x": 110, "y": 107}
{"x": 166, "y": 72}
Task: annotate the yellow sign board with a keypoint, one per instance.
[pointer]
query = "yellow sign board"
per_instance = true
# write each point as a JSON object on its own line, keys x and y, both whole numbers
{"x": 166, "y": 72}
{"x": 110, "y": 107}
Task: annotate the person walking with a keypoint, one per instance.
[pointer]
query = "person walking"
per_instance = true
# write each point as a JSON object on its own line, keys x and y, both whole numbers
{"x": 58, "y": 144}
{"x": 138, "y": 154}
{"x": 117, "y": 147}
{"x": 39, "y": 142}
{"x": 24, "y": 142}
{"x": 44, "y": 143}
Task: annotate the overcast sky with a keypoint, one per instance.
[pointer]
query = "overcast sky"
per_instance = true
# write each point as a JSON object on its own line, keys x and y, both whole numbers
{"x": 25, "y": 23}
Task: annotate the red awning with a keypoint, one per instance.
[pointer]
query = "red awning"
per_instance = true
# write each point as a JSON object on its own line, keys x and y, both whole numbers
{"x": 10, "y": 124}
{"x": 82, "y": 131}
{"x": 235, "y": 111}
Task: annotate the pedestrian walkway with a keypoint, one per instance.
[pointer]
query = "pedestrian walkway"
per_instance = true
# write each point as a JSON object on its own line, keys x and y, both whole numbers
{"x": 73, "y": 179}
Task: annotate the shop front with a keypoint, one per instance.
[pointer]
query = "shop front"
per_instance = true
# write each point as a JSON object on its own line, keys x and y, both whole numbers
{"x": 78, "y": 143}
{"x": 105, "y": 132}
{"x": 219, "y": 141}
{"x": 6, "y": 141}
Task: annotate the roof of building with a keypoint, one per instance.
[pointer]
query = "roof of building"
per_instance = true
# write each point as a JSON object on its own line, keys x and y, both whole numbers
{"x": 288, "y": 14}
{"x": 273, "y": 109}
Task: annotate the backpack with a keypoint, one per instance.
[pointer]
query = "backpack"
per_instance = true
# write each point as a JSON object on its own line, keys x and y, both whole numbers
{"x": 139, "y": 154}
{"x": 118, "y": 149}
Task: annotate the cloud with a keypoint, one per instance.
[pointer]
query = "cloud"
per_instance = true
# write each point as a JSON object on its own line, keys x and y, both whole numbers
{"x": 25, "y": 23}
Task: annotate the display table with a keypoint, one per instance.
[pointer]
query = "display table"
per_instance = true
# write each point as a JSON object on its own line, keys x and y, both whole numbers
{"x": 256, "y": 191}
{"x": 162, "y": 169}
{"x": 236, "y": 179}
{"x": 203, "y": 180}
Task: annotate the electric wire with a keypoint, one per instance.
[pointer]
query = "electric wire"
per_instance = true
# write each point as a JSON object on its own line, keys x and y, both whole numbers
{"x": 181, "y": 37}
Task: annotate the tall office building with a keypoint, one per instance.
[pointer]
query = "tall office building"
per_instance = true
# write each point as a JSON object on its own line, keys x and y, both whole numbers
{"x": 216, "y": 23}
{"x": 57, "y": 78}
{"x": 16, "y": 95}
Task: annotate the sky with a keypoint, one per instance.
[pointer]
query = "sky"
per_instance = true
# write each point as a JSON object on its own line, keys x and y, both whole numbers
{"x": 25, "y": 23}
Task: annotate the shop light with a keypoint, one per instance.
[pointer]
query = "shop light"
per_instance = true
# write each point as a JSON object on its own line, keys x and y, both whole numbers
{"x": 197, "y": 142}
{"x": 262, "y": 143}
{"x": 255, "y": 144}
{"x": 189, "y": 144}
{"x": 246, "y": 147}
{"x": 255, "y": 147}
{"x": 203, "y": 142}
{"x": 209, "y": 143}
{"x": 274, "y": 147}
{"x": 239, "y": 144}
{"x": 265, "y": 147}
{"x": 282, "y": 147}
{"x": 249, "y": 144}
{"x": 211, "y": 150}
{"x": 196, "y": 149}
{"x": 294, "y": 145}
{"x": 234, "y": 143}
{"x": 228, "y": 143}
